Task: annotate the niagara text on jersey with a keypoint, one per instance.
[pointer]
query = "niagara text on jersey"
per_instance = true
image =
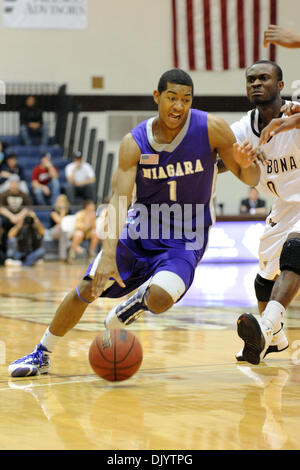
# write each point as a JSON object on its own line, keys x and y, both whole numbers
{"x": 186, "y": 171}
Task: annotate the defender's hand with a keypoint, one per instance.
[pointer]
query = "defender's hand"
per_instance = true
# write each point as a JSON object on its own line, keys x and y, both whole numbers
{"x": 279, "y": 125}
{"x": 279, "y": 36}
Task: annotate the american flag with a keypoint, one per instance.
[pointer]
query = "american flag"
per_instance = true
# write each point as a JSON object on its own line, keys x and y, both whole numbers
{"x": 221, "y": 34}
{"x": 149, "y": 158}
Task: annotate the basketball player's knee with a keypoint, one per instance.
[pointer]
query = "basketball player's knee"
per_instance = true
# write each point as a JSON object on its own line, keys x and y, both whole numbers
{"x": 290, "y": 254}
{"x": 84, "y": 291}
{"x": 263, "y": 288}
{"x": 158, "y": 300}
{"x": 164, "y": 290}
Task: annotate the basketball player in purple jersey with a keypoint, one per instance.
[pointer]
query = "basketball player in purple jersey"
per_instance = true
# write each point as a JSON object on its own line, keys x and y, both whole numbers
{"x": 171, "y": 160}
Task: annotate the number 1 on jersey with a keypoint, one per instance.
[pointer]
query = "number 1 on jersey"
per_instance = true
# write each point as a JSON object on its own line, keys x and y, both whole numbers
{"x": 173, "y": 190}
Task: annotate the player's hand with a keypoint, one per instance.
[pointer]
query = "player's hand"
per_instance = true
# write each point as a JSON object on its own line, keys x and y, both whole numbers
{"x": 245, "y": 154}
{"x": 290, "y": 108}
{"x": 107, "y": 268}
{"x": 279, "y": 125}
{"x": 279, "y": 36}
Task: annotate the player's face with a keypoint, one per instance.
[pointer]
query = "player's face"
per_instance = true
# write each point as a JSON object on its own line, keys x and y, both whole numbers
{"x": 262, "y": 84}
{"x": 174, "y": 104}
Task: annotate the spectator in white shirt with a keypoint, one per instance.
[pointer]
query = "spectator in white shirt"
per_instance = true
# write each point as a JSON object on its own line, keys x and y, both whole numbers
{"x": 80, "y": 180}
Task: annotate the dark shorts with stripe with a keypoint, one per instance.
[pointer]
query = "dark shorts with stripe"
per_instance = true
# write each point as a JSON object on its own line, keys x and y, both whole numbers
{"x": 138, "y": 260}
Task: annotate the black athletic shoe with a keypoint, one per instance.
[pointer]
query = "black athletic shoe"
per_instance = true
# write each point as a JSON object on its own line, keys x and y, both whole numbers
{"x": 257, "y": 338}
{"x": 279, "y": 343}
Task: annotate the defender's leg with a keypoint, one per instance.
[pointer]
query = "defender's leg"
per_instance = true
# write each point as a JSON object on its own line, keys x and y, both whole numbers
{"x": 257, "y": 336}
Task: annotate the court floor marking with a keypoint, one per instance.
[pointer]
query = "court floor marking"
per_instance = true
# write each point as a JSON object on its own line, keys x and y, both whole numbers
{"x": 146, "y": 372}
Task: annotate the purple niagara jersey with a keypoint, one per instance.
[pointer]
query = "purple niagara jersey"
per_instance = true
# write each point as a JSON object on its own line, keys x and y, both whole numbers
{"x": 167, "y": 227}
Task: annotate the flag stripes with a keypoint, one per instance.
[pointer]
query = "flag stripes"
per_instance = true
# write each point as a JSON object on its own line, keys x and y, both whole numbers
{"x": 221, "y": 34}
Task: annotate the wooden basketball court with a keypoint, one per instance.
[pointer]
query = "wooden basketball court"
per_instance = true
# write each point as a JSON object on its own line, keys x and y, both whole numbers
{"x": 189, "y": 393}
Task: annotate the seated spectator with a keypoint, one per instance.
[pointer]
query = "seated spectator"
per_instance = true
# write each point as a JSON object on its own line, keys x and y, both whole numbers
{"x": 31, "y": 123}
{"x": 24, "y": 245}
{"x": 45, "y": 183}
{"x": 13, "y": 206}
{"x": 85, "y": 229}
{"x": 80, "y": 180}
{"x": 10, "y": 167}
{"x": 253, "y": 204}
{"x": 55, "y": 232}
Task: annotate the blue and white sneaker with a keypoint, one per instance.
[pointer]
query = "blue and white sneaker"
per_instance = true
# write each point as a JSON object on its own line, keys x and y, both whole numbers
{"x": 38, "y": 362}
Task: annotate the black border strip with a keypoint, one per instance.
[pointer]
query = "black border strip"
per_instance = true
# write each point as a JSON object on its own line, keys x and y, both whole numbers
{"x": 100, "y": 103}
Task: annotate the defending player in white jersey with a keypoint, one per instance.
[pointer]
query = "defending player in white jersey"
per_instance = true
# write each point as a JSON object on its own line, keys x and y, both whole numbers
{"x": 278, "y": 279}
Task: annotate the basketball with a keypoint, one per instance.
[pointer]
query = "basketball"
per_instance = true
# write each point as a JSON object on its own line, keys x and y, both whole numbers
{"x": 115, "y": 355}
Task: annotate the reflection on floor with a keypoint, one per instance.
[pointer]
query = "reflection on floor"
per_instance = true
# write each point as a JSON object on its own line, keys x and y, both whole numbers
{"x": 223, "y": 284}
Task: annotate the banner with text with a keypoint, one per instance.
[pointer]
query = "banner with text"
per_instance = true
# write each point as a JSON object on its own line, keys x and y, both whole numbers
{"x": 45, "y": 14}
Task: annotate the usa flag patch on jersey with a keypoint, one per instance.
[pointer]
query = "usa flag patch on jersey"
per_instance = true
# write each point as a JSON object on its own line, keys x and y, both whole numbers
{"x": 149, "y": 159}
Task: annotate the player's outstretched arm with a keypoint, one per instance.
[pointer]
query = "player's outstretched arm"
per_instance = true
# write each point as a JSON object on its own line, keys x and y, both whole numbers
{"x": 281, "y": 37}
{"x": 279, "y": 125}
{"x": 123, "y": 184}
{"x": 240, "y": 160}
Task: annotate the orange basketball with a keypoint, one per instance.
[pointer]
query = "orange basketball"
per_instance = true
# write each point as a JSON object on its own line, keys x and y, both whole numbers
{"x": 115, "y": 355}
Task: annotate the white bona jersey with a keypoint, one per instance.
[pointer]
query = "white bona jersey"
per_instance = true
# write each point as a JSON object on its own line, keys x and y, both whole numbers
{"x": 281, "y": 177}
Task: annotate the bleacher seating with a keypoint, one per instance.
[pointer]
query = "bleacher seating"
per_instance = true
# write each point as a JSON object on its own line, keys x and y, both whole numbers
{"x": 29, "y": 156}
{"x": 16, "y": 140}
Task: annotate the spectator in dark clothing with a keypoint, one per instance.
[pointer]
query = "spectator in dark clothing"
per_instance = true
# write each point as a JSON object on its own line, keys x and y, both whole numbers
{"x": 31, "y": 123}
{"x": 11, "y": 167}
{"x": 25, "y": 241}
{"x": 13, "y": 206}
{"x": 253, "y": 204}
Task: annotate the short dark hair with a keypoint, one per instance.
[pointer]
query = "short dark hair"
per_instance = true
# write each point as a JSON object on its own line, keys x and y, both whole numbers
{"x": 45, "y": 154}
{"x": 11, "y": 155}
{"x": 77, "y": 154}
{"x": 177, "y": 76}
{"x": 276, "y": 66}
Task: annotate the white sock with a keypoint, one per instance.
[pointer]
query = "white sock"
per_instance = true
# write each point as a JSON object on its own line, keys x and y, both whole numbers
{"x": 49, "y": 340}
{"x": 273, "y": 315}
